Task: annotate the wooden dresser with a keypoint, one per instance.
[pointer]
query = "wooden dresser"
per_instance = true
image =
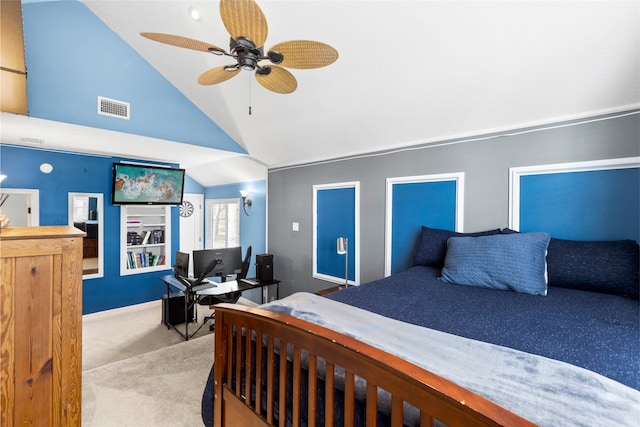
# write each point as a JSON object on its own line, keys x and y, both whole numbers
{"x": 40, "y": 326}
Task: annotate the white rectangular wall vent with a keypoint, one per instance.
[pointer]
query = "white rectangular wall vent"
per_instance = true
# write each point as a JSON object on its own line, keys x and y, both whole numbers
{"x": 113, "y": 108}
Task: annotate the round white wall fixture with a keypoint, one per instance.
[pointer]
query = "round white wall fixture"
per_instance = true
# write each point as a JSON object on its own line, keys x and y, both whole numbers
{"x": 46, "y": 168}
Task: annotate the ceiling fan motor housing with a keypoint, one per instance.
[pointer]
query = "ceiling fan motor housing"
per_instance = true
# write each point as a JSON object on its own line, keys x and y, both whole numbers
{"x": 247, "y": 53}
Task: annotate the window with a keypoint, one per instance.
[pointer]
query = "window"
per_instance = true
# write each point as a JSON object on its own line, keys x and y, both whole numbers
{"x": 222, "y": 223}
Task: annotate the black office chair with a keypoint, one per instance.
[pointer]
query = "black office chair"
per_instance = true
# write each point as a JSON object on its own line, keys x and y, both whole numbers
{"x": 230, "y": 298}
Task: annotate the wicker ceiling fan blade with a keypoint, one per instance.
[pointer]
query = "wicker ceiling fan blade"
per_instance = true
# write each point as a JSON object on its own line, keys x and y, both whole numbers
{"x": 304, "y": 54}
{"x": 244, "y": 18}
{"x": 279, "y": 80}
{"x": 217, "y": 75}
{"x": 180, "y": 41}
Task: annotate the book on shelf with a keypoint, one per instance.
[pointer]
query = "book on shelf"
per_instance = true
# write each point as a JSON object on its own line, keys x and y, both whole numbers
{"x": 143, "y": 259}
{"x": 157, "y": 236}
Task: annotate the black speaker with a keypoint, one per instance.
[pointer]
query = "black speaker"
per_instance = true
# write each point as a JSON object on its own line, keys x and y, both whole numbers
{"x": 264, "y": 267}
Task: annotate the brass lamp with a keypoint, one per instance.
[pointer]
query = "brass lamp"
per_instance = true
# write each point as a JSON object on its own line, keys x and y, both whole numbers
{"x": 245, "y": 202}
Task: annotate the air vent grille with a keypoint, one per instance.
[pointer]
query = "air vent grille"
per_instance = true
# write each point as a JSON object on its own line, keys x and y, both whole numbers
{"x": 113, "y": 108}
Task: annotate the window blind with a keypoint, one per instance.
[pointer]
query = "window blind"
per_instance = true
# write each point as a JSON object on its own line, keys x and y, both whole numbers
{"x": 222, "y": 223}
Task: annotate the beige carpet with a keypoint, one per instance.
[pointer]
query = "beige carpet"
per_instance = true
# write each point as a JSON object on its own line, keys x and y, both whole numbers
{"x": 114, "y": 335}
{"x": 160, "y": 388}
{"x": 136, "y": 372}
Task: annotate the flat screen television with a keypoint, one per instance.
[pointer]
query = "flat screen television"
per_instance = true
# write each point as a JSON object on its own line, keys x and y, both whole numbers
{"x": 146, "y": 185}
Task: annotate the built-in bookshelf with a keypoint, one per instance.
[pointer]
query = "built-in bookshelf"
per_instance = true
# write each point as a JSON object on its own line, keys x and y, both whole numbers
{"x": 145, "y": 239}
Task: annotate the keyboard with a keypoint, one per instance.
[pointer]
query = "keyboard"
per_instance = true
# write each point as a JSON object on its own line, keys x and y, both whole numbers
{"x": 250, "y": 282}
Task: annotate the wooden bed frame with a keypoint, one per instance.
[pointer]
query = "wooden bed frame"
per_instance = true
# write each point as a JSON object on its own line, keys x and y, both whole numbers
{"x": 434, "y": 396}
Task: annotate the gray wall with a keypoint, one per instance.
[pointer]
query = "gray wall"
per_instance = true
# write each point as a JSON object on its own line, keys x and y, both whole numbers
{"x": 485, "y": 163}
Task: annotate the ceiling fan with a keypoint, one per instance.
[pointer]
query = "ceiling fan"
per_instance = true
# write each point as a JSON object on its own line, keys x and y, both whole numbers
{"x": 247, "y": 25}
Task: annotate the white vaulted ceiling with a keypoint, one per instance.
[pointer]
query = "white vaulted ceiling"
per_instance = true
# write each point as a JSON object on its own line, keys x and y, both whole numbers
{"x": 409, "y": 72}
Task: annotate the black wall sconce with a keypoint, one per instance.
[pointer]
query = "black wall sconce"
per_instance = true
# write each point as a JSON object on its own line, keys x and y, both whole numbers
{"x": 245, "y": 201}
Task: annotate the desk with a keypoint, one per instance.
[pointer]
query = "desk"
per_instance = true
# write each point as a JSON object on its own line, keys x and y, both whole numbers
{"x": 192, "y": 296}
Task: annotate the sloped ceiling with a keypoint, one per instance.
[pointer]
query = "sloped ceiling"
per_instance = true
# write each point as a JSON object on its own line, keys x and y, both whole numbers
{"x": 409, "y": 72}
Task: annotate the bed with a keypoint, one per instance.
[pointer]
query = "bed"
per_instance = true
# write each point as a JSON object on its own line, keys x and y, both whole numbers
{"x": 490, "y": 328}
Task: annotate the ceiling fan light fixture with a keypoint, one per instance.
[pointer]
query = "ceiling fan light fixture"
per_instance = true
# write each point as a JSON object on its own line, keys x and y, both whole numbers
{"x": 247, "y": 62}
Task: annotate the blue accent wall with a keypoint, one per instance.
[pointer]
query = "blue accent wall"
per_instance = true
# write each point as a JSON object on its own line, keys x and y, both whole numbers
{"x": 576, "y": 205}
{"x": 253, "y": 227}
{"x": 58, "y": 33}
{"x": 74, "y": 172}
{"x": 335, "y": 211}
{"x": 90, "y": 174}
{"x": 192, "y": 186}
{"x": 415, "y": 204}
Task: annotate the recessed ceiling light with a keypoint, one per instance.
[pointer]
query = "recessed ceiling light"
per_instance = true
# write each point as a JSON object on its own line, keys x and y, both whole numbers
{"x": 195, "y": 14}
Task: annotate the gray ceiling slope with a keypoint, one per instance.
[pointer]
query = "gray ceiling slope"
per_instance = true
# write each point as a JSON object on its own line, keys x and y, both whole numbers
{"x": 409, "y": 72}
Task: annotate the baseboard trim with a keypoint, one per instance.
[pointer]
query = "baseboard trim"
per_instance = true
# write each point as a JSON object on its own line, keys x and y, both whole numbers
{"x": 120, "y": 310}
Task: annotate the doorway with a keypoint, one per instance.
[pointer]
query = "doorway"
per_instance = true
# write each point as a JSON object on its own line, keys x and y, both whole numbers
{"x": 21, "y": 206}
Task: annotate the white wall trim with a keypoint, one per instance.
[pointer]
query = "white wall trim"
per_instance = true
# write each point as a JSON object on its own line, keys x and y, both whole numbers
{"x": 100, "y": 203}
{"x": 33, "y": 195}
{"x": 458, "y": 177}
{"x": 354, "y": 248}
{"x": 516, "y": 173}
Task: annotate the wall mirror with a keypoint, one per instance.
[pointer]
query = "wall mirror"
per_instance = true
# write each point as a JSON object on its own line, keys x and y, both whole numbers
{"x": 85, "y": 213}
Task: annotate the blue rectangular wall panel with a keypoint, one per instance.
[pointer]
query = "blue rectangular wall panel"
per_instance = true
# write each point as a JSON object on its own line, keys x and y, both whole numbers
{"x": 585, "y": 200}
{"x": 416, "y": 204}
{"x": 335, "y": 215}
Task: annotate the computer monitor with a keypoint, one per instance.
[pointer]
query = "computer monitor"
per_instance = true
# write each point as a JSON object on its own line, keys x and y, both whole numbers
{"x": 181, "y": 267}
{"x": 229, "y": 261}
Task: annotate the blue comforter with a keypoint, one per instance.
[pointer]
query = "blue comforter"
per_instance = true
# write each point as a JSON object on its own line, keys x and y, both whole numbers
{"x": 595, "y": 331}
{"x": 599, "y": 332}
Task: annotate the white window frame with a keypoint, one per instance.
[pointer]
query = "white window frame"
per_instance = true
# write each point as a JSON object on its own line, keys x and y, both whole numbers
{"x": 230, "y": 240}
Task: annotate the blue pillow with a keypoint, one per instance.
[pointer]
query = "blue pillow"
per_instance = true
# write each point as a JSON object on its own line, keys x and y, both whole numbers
{"x": 609, "y": 267}
{"x": 514, "y": 262}
{"x": 432, "y": 246}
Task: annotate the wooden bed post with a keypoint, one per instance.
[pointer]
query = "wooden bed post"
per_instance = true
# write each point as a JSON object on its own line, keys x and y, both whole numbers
{"x": 219, "y": 367}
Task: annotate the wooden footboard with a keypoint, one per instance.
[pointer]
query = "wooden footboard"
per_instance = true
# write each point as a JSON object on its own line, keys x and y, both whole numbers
{"x": 311, "y": 348}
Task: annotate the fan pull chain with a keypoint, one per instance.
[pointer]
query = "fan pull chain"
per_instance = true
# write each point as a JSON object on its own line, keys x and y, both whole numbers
{"x": 249, "y": 74}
